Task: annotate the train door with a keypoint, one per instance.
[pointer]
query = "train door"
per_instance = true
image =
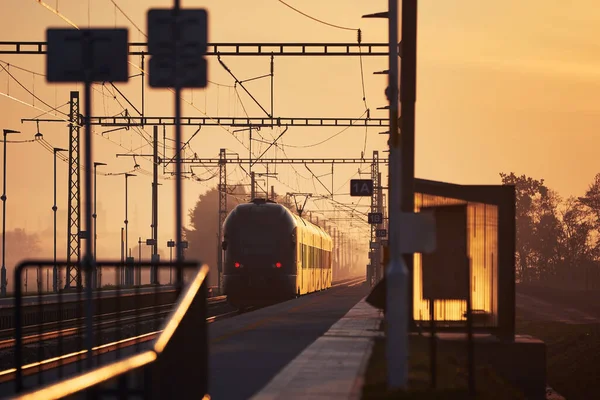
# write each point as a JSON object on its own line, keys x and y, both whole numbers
{"x": 302, "y": 267}
{"x": 298, "y": 263}
{"x": 322, "y": 264}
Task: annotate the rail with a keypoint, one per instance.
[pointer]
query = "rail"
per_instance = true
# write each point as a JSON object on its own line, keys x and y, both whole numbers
{"x": 152, "y": 373}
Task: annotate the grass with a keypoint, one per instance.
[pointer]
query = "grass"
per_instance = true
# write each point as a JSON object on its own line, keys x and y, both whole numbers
{"x": 584, "y": 300}
{"x": 571, "y": 355}
{"x": 451, "y": 377}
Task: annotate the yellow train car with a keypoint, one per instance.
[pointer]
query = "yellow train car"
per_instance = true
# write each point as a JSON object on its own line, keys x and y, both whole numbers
{"x": 273, "y": 255}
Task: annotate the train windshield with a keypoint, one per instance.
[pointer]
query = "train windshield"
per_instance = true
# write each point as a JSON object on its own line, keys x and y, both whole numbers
{"x": 259, "y": 231}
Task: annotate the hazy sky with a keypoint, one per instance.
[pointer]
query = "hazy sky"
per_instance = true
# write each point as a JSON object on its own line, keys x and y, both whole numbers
{"x": 502, "y": 86}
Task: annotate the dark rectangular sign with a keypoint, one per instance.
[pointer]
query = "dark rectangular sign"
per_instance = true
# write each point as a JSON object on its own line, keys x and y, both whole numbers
{"x": 375, "y": 218}
{"x": 87, "y": 55}
{"x": 446, "y": 271}
{"x": 361, "y": 187}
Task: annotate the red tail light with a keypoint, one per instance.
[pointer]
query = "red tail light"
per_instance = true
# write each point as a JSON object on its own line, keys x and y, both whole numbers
{"x": 237, "y": 264}
{"x": 278, "y": 264}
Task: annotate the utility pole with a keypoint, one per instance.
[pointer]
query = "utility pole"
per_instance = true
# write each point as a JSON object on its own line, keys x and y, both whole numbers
{"x": 373, "y": 258}
{"x": 120, "y": 278}
{"x": 155, "y": 257}
{"x": 222, "y": 212}
{"x": 252, "y": 183}
{"x": 379, "y": 249}
{"x": 398, "y": 289}
{"x": 97, "y": 275}
{"x": 128, "y": 263}
{"x": 138, "y": 274}
{"x": 74, "y": 219}
{"x": 54, "y": 210}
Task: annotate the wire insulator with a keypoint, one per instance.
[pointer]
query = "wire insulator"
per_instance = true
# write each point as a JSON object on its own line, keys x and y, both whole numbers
{"x": 359, "y": 36}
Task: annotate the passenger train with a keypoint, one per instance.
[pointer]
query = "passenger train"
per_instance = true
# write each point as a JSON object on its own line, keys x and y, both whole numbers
{"x": 272, "y": 254}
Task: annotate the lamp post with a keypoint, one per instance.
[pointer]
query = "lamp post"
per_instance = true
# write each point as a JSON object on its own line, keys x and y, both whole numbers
{"x": 98, "y": 274}
{"x": 127, "y": 175}
{"x": 3, "y": 274}
{"x": 54, "y": 209}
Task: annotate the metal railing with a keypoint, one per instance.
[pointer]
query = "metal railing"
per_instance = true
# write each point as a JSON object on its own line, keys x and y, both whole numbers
{"x": 135, "y": 349}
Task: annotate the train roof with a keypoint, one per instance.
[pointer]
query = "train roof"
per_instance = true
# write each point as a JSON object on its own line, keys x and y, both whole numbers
{"x": 298, "y": 221}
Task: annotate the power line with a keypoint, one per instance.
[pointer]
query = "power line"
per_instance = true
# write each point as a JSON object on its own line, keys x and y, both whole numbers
{"x": 22, "y": 69}
{"x": 316, "y": 19}
{"x": 27, "y": 90}
{"x": 329, "y": 138}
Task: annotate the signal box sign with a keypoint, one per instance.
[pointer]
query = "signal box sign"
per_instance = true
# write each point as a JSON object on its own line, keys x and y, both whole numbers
{"x": 381, "y": 233}
{"x": 361, "y": 187}
{"x": 375, "y": 218}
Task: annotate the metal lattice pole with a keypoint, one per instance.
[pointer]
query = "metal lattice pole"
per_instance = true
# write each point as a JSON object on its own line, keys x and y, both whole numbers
{"x": 222, "y": 211}
{"x": 74, "y": 219}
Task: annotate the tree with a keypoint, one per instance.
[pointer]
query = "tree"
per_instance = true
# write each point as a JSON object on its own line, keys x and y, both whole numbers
{"x": 533, "y": 204}
{"x": 592, "y": 200}
{"x": 578, "y": 245}
{"x": 20, "y": 245}
{"x": 202, "y": 237}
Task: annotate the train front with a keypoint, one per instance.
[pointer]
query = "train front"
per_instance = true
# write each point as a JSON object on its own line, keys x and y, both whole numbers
{"x": 259, "y": 265}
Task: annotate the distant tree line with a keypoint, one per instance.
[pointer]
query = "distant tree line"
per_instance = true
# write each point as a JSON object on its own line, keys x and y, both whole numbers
{"x": 20, "y": 245}
{"x": 558, "y": 240}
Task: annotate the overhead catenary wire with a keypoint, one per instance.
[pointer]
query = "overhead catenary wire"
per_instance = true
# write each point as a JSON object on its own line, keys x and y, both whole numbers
{"x": 327, "y": 139}
{"x": 317, "y": 19}
{"x": 142, "y": 132}
{"x": 5, "y": 69}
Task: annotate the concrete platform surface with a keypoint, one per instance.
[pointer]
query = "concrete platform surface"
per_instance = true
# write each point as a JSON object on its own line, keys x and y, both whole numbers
{"x": 333, "y": 366}
{"x": 247, "y": 351}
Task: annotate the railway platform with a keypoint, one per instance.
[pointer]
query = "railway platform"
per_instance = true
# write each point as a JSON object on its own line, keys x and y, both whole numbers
{"x": 252, "y": 352}
{"x": 333, "y": 366}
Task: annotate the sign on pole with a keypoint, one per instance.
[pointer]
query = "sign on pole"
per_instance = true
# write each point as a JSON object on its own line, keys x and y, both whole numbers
{"x": 361, "y": 187}
{"x": 375, "y": 218}
{"x": 381, "y": 233}
{"x": 87, "y": 55}
{"x": 374, "y": 245}
{"x": 177, "y": 44}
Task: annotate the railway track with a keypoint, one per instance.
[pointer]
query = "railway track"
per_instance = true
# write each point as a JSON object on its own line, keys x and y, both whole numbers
{"x": 40, "y": 366}
{"x": 74, "y": 326}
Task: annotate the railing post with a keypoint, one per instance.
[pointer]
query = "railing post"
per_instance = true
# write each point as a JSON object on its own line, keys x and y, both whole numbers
{"x": 170, "y": 378}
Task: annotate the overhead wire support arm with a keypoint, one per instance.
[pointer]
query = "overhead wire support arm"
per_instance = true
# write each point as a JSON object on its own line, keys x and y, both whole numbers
{"x": 166, "y": 163}
{"x": 237, "y": 81}
{"x": 271, "y": 145}
{"x": 120, "y": 120}
{"x": 126, "y": 99}
{"x": 236, "y": 49}
{"x": 318, "y": 179}
{"x": 215, "y": 161}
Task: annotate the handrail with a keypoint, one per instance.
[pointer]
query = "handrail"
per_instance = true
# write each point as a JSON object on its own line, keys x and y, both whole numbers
{"x": 105, "y": 373}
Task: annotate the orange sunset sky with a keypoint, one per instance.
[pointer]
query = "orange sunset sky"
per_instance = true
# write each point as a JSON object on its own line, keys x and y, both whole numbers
{"x": 502, "y": 86}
